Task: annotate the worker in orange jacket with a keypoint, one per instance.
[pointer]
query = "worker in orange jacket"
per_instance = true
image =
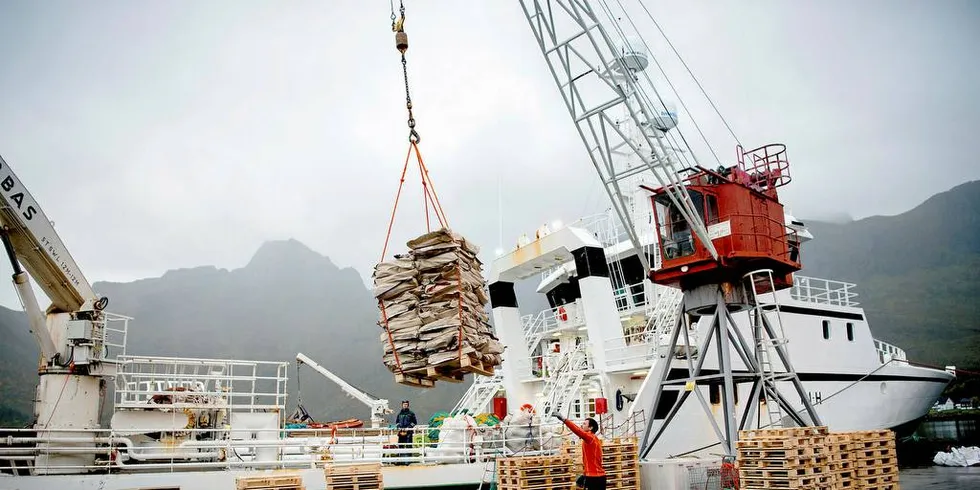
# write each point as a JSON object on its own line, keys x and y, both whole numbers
{"x": 595, "y": 476}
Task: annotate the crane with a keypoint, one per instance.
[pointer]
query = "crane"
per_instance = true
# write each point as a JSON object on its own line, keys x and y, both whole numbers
{"x": 379, "y": 407}
{"x": 77, "y": 344}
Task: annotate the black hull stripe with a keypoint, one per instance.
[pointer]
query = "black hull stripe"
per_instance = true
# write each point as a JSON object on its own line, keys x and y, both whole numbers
{"x": 745, "y": 376}
{"x": 817, "y": 312}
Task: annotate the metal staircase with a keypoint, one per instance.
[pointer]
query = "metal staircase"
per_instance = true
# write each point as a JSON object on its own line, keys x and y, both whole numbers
{"x": 479, "y": 394}
{"x": 563, "y": 386}
{"x": 665, "y": 314}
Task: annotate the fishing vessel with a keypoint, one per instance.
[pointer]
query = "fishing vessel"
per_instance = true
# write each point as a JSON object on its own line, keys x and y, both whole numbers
{"x": 614, "y": 343}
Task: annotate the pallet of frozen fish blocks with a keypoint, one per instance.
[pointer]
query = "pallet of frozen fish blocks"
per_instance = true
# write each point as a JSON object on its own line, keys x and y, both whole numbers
{"x": 432, "y": 312}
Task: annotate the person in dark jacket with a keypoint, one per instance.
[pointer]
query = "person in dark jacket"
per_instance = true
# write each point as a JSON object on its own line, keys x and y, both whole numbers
{"x": 404, "y": 421}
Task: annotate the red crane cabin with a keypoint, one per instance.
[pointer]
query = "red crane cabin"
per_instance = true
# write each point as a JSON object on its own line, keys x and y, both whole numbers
{"x": 745, "y": 221}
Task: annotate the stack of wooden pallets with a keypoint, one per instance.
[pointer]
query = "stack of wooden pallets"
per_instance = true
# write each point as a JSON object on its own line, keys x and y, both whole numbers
{"x": 873, "y": 460}
{"x": 840, "y": 460}
{"x": 796, "y": 458}
{"x": 535, "y": 473}
{"x": 354, "y": 476}
{"x": 620, "y": 460}
{"x": 811, "y": 458}
{"x": 290, "y": 481}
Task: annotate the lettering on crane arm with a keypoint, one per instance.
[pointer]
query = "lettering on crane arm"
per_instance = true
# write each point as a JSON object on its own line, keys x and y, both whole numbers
{"x": 16, "y": 195}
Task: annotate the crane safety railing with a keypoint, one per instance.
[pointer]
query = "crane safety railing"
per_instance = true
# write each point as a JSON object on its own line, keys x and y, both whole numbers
{"x": 823, "y": 291}
{"x": 59, "y": 451}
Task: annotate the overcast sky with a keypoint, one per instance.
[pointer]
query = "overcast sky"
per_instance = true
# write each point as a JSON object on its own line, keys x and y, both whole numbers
{"x": 163, "y": 135}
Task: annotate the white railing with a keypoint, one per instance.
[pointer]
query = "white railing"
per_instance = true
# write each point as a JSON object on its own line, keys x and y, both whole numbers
{"x": 631, "y": 299}
{"x": 186, "y": 383}
{"x": 823, "y": 291}
{"x": 551, "y": 320}
{"x": 225, "y": 449}
{"x": 888, "y": 352}
{"x": 113, "y": 335}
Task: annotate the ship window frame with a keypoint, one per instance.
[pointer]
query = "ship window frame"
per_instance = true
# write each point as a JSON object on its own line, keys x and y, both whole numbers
{"x": 826, "y": 329}
{"x": 850, "y": 332}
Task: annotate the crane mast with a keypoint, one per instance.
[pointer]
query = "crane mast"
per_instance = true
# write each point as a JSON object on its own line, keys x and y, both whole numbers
{"x": 78, "y": 346}
{"x": 625, "y": 133}
{"x": 597, "y": 81}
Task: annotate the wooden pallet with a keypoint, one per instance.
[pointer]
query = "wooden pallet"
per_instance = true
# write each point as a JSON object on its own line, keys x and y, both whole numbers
{"x": 263, "y": 482}
{"x": 414, "y": 380}
{"x": 783, "y": 432}
{"x": 620, "y": 461}
{"x": 535, "y": 473}
{"x": 354, "y": 476}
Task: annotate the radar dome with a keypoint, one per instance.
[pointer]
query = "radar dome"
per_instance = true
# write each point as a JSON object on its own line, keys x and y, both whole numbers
{"x": 633, "y": 54}
{"x": 664, "y": 116}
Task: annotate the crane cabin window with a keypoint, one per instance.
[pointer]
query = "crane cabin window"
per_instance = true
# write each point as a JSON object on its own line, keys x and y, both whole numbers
{"x": 676, "y": 235}
{"x": 710, "y": 209}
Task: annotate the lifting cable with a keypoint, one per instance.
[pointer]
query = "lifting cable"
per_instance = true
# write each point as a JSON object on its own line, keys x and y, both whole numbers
{"x": 430, "y": 200}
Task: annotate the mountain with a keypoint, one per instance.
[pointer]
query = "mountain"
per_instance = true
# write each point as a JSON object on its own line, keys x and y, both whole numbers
{"x": 917, "y": 274}
{"x": 287, "y": 299}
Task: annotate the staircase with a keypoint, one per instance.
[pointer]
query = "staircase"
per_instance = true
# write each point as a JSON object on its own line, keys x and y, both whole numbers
{"x": 665, "y": 314}
{"x": 563, "y": 386}
{"x": 479, "y": 394}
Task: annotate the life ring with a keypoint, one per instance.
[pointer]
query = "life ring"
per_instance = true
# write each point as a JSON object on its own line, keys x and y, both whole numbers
{"x": 562, "y": 315}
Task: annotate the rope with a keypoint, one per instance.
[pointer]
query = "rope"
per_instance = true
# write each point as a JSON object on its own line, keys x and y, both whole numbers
{"x": 459, "y": 286}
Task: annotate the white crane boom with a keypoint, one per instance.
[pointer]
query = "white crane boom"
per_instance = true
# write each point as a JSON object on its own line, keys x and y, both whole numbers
{"x": 379, "y": 407}
{"x": 39, "y": 248}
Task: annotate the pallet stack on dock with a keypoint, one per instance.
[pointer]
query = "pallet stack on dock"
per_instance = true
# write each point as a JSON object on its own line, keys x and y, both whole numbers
{"x": 354, "y": 476}
{"x": 873, "y": 460}
{"x": 535, "y": 473}
{"x": 794, "y": 458}
{"x": 431, "y": 300}
{"x": 290, "y": 481}
{"x": 811, "y": 458}
{"x": 620, "y": 460}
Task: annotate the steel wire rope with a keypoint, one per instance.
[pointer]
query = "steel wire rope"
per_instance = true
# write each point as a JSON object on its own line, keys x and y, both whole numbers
{"x": 690, "y": 72}
{"x": 649, "y": 101}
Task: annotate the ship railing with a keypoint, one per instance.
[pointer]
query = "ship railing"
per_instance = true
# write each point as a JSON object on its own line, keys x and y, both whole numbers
{"x": 631, "y": 299}
{"x": 58, "y": 451}
{"x": 823, "y": 291}
{"x": 112, "y": 335}
{"x": 637, "y": 349}
{"x": 172, "y": 383}
{"x": 889, "y": 353}
{"x": 551, "y": 321}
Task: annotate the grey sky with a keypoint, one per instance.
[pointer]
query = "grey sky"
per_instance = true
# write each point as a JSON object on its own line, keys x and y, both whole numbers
{"x": 161, "y": 135}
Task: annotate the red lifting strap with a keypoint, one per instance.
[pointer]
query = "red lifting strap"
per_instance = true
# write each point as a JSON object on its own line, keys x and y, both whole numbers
{"x": 429, "y": 198}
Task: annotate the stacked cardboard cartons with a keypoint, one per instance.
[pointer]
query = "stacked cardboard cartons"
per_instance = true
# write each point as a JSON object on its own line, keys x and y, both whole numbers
{"x": 431, "y": 303}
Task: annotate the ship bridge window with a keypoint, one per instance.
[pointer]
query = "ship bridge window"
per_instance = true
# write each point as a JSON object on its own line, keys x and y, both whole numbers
{"x": 850, "y": 332}
{"x": 676, "y": 236}
{"x": 826, "y": 329}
